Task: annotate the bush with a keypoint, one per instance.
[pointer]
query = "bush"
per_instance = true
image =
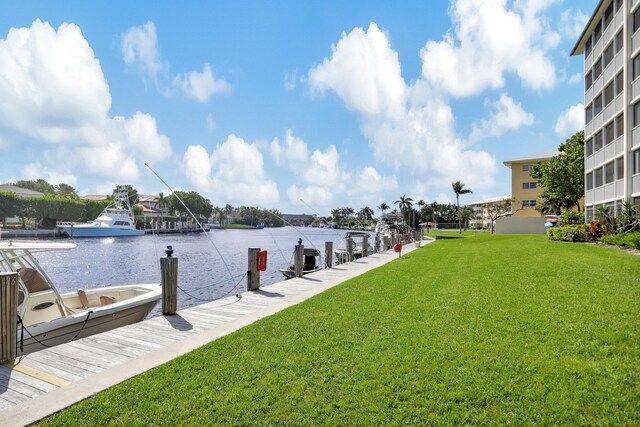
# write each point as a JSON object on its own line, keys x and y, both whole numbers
{"x": 625, "y": 240}
{"x": 569, "y": 233}
{"x": 571, "y": 217}
{"x": 597, "y": 229}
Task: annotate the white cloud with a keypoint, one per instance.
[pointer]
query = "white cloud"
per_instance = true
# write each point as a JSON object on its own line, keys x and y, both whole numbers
{"x": 293, "y": 152}
{"x": 235, "y": 170}
{"x": 572, "y": 22}
{"x": 488, "y": 41}
{"x": 576, "y": 78}
{"x": 506, "y": 115}
{"x": 211, "y": 124}
{"x": 140, "y": 49}
{"x": 409, "y": 127}
{"x": 200, "y": 86}
{"x": 291, "y": 79}
{"x": 53, "y": 91}
{"x": 36, "y": 171}
{"x": 570, "y": 121}
{"x": 369, "y": 180}
{"x": 318, "y": 195}
{"x": 364, "y": 72}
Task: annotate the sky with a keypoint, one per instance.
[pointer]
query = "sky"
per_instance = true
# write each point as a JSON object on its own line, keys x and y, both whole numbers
{"x": 303, "y": 106}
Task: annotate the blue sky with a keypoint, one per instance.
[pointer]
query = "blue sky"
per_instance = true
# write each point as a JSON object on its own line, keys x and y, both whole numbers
{"x": 297, "y": 105}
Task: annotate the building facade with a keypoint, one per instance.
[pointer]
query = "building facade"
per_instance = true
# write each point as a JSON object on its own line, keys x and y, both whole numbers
{"x": 524, "y": 189}
{"x": 481, "y": 210}
{"x": 610, "y": 43}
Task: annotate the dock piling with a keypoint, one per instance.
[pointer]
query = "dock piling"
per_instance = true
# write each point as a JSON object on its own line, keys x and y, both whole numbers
{"x": 8, "y": 316}
{"x": 169, "y": 273}
{"x": 299, "y": 258}
{"x": 350, "y": 245}
{"x": 328, "y": 254}
{"x": 253, "y": 274}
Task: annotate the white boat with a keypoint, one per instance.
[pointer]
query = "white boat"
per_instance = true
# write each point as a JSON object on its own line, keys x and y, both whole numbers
{"x": 311, "y": 264}
{"x": 48, "y": 318}
{"x": 357, "y": 246}
{"x": 116, "y": 220}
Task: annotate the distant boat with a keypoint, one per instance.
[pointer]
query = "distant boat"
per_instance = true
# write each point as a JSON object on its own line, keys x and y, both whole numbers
{"x": 357, "y": 246}
{"x": 48, "y": 318}
{"x": 311, "y": 264}
{"x": 115, "y": 221}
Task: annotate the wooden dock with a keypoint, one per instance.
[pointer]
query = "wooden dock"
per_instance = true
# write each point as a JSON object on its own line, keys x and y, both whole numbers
{"x": 47, "y": 381}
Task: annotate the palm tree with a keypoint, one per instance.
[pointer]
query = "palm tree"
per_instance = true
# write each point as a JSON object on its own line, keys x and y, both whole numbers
{"x": 459, "y": 189}
{"x": 383, "y": 207}
{"x": 404, "y": 203}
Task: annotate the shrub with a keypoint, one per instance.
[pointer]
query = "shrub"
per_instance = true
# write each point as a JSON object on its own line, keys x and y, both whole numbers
{"x": 571, "y": 217}
{"x": 597, "y": 229}
{"x": 625, "y": 240}
{"x": 569, "y": 233}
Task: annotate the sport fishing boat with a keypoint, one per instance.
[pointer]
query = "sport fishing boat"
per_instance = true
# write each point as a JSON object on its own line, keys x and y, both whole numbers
{"x": 115, "y": 220}
{"x": 311, "y": 264}
{"x": 47, "y": 318}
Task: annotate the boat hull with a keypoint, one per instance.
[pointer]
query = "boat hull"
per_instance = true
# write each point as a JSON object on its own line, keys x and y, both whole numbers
{"x": 93, "y": 231}
{"x": 290, "y": 274}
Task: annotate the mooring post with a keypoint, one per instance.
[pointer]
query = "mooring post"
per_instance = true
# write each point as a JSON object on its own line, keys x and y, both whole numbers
{"x": 328, "y": 254}
{"x": 365, "y": 246}
{"x": 8, "y": 316}
{"x": 377, "y": 244}
{"x": 253, "y": 274}
{"x": 349, "y": 243}
{"x": 169, "y": 271}
{"x": 299, "y": 258}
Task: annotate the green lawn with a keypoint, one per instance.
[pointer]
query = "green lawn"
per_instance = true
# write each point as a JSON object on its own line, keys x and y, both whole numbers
{"x": 498, "y": 330}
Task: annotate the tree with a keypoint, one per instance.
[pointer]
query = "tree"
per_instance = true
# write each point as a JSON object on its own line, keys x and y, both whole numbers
{"x": 497, "y": 210}
{"x": 365, "y": 214}
{"x": 383, "y": 207}
{"x": 404, "y": 203}
{"x": 459, "y": 189}
{"x": 40, "y": 185}
{"x": 66, "y": 191}
{"x": 562, "y": 177}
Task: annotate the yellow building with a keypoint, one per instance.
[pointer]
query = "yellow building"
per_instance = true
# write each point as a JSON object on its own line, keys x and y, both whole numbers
{"x": 524, "y": 189}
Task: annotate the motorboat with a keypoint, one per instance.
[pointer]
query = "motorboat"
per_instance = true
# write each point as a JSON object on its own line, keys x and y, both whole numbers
{"x": 115, "y": 220}
{"x": 311, "y": 264}
{"x": 357, "y": 239}
{"x": 48, "y": 318}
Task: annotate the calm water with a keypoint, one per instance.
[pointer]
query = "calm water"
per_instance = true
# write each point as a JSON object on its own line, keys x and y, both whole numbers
{"x": 203, "y": 273}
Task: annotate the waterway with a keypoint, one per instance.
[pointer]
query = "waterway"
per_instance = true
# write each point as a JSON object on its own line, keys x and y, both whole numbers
{"x": 210, "y": 265}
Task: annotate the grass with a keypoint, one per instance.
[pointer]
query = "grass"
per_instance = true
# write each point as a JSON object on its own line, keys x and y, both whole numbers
{"x": 496, "y": 330}
{"x": 238, "y": 226}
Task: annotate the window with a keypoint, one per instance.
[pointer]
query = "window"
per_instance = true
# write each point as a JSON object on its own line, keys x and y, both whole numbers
{"x": 608, "y": 15}
{"x": 618, "y": 5}
{"x": 587, "y": 47}
{"x": 619, "y": 41}
{"x": 597, "y": 67}
{"x": 588, "y": 213}
{"x": 529, "y": 185}
{"x": 619, "y": 83}
{"x": 597, "y": 32}
{"x": 636, "y": 114}
{"x": 636, "y": 161}
{"x": 636, "y": 20}
{"x": 609, "y": 133}
{"x": 608, "y": 94}
{"x": 589, "y": 183}
{"x": 635, "y": 67}
{"x": 588, "y": 81}
{"x": 619, "y": 125}
{"x": 588, "y": 147}
{"x": 526, "y": 168}
{"x": 609, "y": 173}
{"x": 597, "y": 104}
{"x": 619, "y": 168}
{"x": 598, "y": 177}
{"x": 597, "y": 141}
{"x": 529, "y": 203}
{"x": 607, "y": 57}
{"x": 588, "y": 114}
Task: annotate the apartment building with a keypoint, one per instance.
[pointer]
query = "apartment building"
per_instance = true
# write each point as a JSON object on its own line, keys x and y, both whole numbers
{"x": 524, "y": 189}
{"x": 610, "y": 43}
{"x": 482, "y": 218}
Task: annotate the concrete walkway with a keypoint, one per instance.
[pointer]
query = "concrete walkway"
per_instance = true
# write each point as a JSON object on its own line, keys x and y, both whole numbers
{"x": 47, "y": 381}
